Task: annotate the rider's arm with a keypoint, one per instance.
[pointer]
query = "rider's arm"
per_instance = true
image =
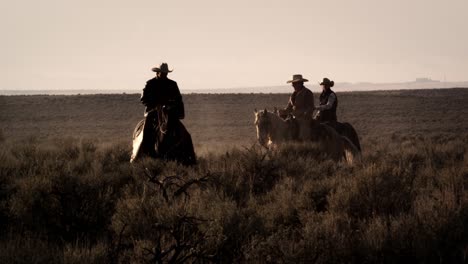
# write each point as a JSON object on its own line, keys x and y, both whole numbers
{"x": 329, "y": 104}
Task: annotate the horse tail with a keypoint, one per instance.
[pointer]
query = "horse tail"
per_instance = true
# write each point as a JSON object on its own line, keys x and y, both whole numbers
{"x": 352, "y": 135}
{"x": 351, "y": 152}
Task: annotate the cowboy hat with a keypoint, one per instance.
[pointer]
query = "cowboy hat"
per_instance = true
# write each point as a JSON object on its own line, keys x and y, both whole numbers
{"x": 162, "y": 68}
{"x": 297, "y": 78}
{"x": 327, "y": 82}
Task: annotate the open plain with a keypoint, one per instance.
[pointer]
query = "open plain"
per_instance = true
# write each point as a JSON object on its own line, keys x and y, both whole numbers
{"x": 226, "y": 120}
{"x": 69, "y": 195}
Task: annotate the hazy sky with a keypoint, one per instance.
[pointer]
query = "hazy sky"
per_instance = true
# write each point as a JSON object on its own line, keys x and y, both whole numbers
{"x": 112, "y": 44}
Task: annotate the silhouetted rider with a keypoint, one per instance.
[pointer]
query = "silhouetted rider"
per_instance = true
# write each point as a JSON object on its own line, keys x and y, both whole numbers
{"x": 164, "y": 107}
{"x": 301, "y": 101}
{"x": 164, "y": 92}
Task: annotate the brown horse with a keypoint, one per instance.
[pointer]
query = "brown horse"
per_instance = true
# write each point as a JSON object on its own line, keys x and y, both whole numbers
{"x": 272, "y": 131}
{"x": 160, "y": 136}
{"x": 346, "y": 130}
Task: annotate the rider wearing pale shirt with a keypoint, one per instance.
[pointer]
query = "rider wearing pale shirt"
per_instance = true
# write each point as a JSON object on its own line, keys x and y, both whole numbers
{"x": 326, "y": 111}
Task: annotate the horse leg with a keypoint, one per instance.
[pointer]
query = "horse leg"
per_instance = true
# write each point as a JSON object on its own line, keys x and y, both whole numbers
{"x": 350, "y": 151}
{"x": 181, "y": 145}
{"x": 189, "y": 156}
{"x": 149, "y": 137}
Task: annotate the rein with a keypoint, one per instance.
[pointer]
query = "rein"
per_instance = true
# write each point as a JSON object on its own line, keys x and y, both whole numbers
{"x": 162, "y": 118}
{"x": 162, "y": 121}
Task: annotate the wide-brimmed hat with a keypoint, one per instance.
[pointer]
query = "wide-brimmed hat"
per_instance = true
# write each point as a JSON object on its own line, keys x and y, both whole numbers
{"x": 297, "y": 78}
{"x": 327, "y": 82}
{"x": 162, "y": 68}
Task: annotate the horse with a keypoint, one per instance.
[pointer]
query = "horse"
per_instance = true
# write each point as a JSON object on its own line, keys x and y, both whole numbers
{"x": 160, "y": 136}
{"x": 272, "y": 131}
{"x": 344, "y": 129}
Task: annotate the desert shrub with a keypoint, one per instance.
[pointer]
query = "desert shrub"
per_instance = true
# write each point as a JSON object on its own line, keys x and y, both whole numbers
{"x": 7, "y": 167}
{"x": 60, "y": 190}
{"x": 64, "y": 206}
{"x": 68, "y": 148}
{"x": 314, "y": 195}
{"x": 322, "y": 238}
{"x": 81, "y": 202}
{"x": 441, "y": 225}
{"x": 375, "y": 190}
{"x": 279, "y": 207}
{"x": 163, "y": 225}
{"x": 115, "y": 156}
{"x": 285, "y": 245}
{"x": 30, "y": 249}
{"x": 77, "y": 253}
{"x": 242, "y": 174}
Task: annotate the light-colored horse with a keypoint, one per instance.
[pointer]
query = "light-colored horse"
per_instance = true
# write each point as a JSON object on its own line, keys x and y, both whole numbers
{"x": 272, "y": 131}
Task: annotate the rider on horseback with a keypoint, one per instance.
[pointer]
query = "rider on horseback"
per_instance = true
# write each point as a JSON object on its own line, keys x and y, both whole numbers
{"x": 301, "y": 102}
{"x": 298, "y": 113}
{"x": 326, "y": 111}
{"x": 162, "y": 91}
{"x": 164, "y": 107}
{"x": 300, "y": 106}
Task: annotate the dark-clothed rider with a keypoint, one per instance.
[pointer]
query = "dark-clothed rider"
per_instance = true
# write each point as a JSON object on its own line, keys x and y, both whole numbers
{"x": 301, "y": 102}
{"x": 164, "y": 92}
{"x": 164, "y": 107}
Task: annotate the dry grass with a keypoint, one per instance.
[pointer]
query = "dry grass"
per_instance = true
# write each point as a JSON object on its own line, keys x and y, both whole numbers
{"x": 75, "y": 200}
{"x": 220, "y": 122}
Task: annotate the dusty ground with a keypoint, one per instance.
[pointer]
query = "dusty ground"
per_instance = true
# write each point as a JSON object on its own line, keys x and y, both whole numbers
{"x": 226, "y": 120}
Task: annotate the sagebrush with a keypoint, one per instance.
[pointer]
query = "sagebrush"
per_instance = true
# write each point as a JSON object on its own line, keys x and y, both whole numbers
{"x": 73, "y": 201}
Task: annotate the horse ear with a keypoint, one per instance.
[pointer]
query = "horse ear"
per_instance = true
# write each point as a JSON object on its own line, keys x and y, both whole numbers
{"x": 265, "y": 110}
{"x": 255, "y": 111}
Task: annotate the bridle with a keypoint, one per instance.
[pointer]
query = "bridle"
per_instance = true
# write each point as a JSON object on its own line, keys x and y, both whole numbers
{"x": 162, "y": 121}
{"x": 163, "y": 118}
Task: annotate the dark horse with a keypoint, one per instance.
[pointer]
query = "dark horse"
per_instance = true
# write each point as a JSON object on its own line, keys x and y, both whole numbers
{"x": 346, "y": 130}
{"x": 162, "y": 137}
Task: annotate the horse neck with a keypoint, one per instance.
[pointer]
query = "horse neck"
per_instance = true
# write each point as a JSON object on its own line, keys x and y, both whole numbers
{"x": 278, "y": 128}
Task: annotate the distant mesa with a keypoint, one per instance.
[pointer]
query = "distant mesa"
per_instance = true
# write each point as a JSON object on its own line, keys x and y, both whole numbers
{"x": 425, "y": 80}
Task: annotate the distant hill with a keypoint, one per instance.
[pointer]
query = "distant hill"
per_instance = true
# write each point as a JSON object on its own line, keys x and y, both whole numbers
{"x": 420, "y": 83}
{"x": 340, "y": 87}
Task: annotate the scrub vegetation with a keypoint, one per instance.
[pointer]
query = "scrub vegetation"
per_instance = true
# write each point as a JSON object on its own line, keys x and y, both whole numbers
{"x": 68, "y": 193}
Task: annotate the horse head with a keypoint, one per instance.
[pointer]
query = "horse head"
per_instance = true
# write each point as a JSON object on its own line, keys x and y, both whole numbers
{"x": 263, "y": 125}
